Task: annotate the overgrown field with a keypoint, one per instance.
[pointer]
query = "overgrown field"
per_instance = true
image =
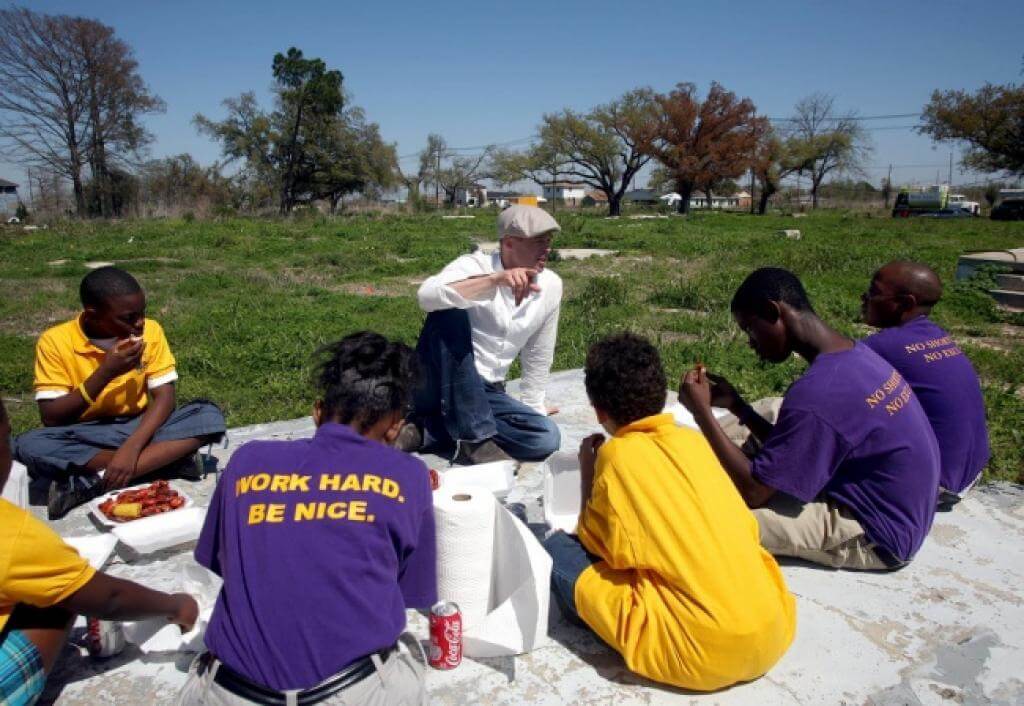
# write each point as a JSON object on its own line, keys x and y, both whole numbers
{"x": 245, "y": 302}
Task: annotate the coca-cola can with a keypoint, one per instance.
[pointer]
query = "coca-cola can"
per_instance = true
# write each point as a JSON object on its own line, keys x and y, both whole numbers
{"x": 445, "y": 635}
{"x": 104, "y": 638}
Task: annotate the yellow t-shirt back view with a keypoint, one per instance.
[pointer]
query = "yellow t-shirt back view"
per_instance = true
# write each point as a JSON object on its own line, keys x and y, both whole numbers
{"x": 684, "y": 590}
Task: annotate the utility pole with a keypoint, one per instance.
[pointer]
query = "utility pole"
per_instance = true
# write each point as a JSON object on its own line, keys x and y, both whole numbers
{"x": 888, "y": 186}
{"x": 951, "y": 170}
{"x": 437, "y": 173}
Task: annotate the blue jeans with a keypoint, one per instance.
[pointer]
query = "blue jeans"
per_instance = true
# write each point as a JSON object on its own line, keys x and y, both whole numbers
{"x": 453, "y": 403}
{"x": 569, "y": 560}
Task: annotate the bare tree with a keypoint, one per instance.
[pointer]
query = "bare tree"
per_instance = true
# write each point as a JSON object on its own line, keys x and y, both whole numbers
{"x": 774, "y": 160}
{"x": 44, "y": 96}
{"x": 825, "y": 142}
{"x": 116, "y": 97}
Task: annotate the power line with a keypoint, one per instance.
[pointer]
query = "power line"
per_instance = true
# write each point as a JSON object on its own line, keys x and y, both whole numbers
{"x": 855, "y": 118}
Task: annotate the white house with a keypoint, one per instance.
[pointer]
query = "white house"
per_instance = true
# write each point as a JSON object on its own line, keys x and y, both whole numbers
{"x": 738, "y": 201}
{"x": 566, "y": 192}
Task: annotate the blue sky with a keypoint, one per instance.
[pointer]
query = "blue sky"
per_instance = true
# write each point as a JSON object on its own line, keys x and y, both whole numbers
{"x": 481, "y": 73}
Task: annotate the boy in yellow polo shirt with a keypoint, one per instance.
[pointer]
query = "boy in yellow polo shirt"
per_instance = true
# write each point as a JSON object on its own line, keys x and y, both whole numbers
{"x": 668, "y": 568}
{"x": 104, "y": 384}
{"x": 44, "y": 583}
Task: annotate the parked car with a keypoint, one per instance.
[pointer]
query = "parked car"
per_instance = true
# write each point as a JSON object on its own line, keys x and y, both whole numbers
{"x": 1012, "y": 210}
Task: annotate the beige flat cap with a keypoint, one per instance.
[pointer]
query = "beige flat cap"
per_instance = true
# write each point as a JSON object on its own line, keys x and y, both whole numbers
{"x": 526, "y": 222}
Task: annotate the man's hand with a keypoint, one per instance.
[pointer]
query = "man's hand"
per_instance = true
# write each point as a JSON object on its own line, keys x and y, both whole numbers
{"x": 124, "y": 356}
{"x": 121, "y": 469}
{"x": 520, "y": 280}
{"x": 186, "y": 613}
{"x": 723, "y": 394}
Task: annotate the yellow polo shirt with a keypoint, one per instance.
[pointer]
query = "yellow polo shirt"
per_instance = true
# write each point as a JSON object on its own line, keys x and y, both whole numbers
{"x": 36, "y": 566}
{"x": 684, "y": 592}
{"x": 65, "y": 358}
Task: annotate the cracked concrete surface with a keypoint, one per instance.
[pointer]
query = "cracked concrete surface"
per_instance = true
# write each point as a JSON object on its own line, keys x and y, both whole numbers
{"x": 949, "y": 629}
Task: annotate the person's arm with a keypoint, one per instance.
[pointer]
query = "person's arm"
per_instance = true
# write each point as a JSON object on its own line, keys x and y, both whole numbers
{"x": 536, "y": 358}
{"x": 462, "y": 285}
{"x": 695, "y": 393}
{"x": 110, "y": 598}
{"x": 68, "y": 408}
{"x": 123, "y": 466}
{"x": 588, "y": 460}
{"x": 5, "y": 446}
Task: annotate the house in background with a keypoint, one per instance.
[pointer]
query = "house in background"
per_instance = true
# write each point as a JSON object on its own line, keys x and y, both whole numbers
{"x": 8, "y": 198}
{"x": 565, "y": 192}
{"x": 740, "y": 201}
{"x": 595, "y": 198}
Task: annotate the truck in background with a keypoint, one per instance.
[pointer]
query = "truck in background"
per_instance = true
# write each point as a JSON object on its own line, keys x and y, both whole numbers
{"x": 934, "y": 202}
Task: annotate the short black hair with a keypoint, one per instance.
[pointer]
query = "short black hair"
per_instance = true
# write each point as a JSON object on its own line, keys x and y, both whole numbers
{"x": 364, "y": 377}
{"x": 105, "y": 283}
{"x": 770, "y": 284}
{"x": 624, "y": 377}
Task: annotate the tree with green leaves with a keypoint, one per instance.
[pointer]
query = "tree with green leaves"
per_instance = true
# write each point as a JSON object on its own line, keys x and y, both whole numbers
{"x": 602, "y": 149}
{"x": 702, "y": 143}
{"x": 990, "y": 121}
{"x": 310, "y": 147}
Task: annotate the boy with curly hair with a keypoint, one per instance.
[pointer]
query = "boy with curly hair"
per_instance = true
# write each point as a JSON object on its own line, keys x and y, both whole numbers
{"x": 667, "y": 568}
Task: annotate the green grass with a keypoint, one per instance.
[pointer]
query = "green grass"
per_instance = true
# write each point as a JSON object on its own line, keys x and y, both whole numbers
{"x": 245, "y": 302}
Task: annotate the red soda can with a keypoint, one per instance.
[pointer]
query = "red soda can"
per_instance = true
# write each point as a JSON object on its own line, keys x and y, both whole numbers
{"x": 445, "y": 635}
{"x": 104, "y": 638}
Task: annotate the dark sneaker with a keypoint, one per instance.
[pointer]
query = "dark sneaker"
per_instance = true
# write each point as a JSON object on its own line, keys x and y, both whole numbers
{"x": 947, "y": 501}
{"x": 65, "y": 496}
{"x": 188, "y": 467}
{"x": 409, "y": 439}
{"x": 473, "y": 452}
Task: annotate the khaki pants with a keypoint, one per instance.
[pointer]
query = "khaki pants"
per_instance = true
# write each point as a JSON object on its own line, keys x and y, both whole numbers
{"x": 821, "y": 532}
{"x": 397, "y": 682}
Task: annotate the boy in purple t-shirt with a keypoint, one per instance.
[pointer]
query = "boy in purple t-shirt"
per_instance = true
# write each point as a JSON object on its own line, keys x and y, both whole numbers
{"x": 898, "y": 301}
{"x": 848, "y": 474}
{"x": 323, "y": 544}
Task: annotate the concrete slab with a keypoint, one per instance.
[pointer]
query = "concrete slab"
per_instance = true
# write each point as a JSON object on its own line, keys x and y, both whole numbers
{"x": 947, "y": 629}
{"x": 1012, "y": 260}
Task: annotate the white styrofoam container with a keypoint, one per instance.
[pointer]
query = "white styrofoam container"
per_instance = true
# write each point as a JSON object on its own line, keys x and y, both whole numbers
{"x": 96, "y": 549}
{"x": 16, "y": 489}
{"x": 562, "y": 497}
{"x": 498, "y": 476}
{"x": 168, "y": 529}
{"x": 94, "y": 506}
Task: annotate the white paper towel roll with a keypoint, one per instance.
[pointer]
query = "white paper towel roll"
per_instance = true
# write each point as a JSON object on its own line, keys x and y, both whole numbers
{"x": 465, "y": 516}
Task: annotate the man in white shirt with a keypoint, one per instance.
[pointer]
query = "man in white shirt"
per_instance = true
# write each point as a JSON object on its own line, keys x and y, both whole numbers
{"x": 483, "y": 311}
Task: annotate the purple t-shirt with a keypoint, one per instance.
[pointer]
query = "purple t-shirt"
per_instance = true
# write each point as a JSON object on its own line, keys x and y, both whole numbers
{"x": 322, "y": 543}
{"x": 851, "y": 428}
{"x": 945, "y": 382}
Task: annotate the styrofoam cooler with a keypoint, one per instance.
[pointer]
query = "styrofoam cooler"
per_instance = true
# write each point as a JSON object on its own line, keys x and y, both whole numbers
{"x": 562, "y": 498}
{"x": 16, "y": 489}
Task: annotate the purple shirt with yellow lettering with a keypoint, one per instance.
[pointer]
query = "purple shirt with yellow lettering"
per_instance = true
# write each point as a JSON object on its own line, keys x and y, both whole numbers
{"x": 944, "y": 380}
{"x": 322, "y": 544}
{"x": 852, "y": 430}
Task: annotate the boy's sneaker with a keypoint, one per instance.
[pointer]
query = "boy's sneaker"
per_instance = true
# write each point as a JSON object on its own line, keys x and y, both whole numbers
{"x": 472, "y": 453}
{"x": 64, "y": 496}
{"x": 188, "y": 467}
{"x": 409, "y": 439}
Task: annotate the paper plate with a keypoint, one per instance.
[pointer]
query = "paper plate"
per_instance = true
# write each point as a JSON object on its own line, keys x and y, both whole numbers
{"x": 94, "y": 506}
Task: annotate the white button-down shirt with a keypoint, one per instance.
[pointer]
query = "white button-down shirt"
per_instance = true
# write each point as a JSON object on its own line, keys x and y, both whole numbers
{"x": 500, "y": 329}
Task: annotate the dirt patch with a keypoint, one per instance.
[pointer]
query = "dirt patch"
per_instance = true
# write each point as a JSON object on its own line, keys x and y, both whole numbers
{"x": 676, "y": 337}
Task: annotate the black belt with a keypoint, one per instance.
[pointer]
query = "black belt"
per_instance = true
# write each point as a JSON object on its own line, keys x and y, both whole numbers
{"x": 250, "y": 690}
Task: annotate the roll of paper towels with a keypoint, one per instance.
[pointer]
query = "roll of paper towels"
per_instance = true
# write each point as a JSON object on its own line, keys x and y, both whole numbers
{"x": 464, "y": 516}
